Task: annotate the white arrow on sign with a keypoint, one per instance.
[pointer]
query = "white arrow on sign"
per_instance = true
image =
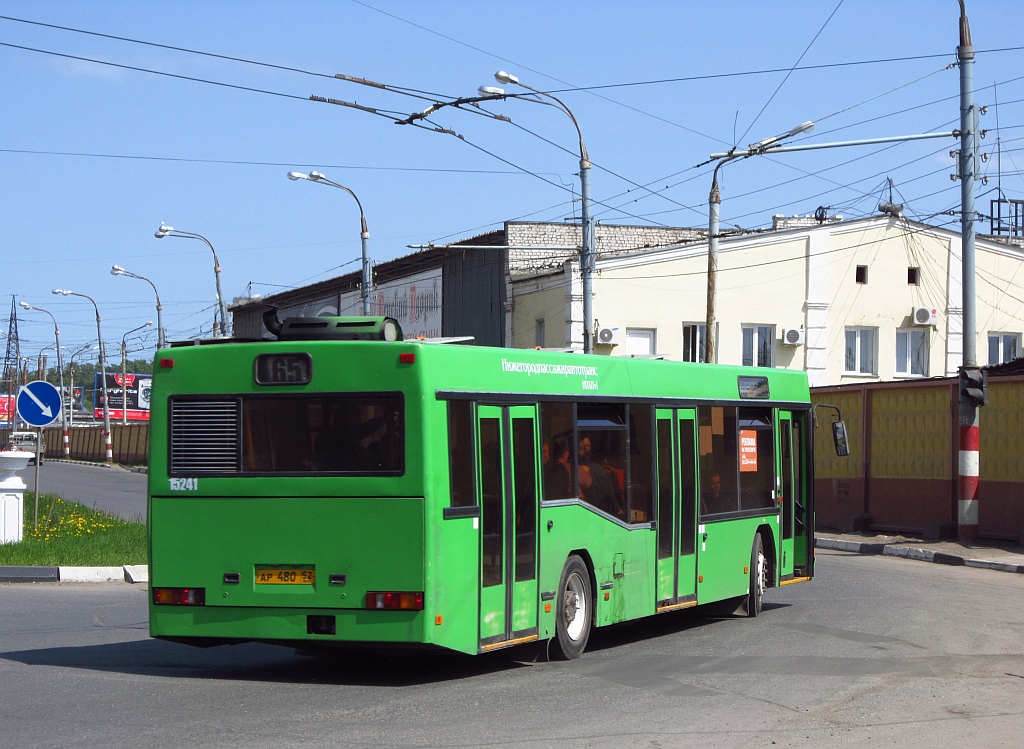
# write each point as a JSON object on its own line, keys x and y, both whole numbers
{"x": 42, "y": 406}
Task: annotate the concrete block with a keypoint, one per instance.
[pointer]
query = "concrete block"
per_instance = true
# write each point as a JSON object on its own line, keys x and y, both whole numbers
{"x": 92, "y": 574}
{"x": 940, "y": 532}
{"x": 853, "y": 523}
{"x": 28, "y": 574}
{"x": 136, "y": 573}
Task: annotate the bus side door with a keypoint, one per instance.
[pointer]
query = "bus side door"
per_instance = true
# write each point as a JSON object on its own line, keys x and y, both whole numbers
{"x": 677, "y": 509}
{"x": 507, "y": 454}
{"x": 796, "y": 521}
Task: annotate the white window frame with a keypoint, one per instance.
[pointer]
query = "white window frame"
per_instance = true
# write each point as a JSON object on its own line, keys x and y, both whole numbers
{"x": 865, "y": 342}
{"x": 1006, "y": 347}
{"x": 905, "y": 363}
{"x": 762, "y": 345}
{"x": 636, "y": 335}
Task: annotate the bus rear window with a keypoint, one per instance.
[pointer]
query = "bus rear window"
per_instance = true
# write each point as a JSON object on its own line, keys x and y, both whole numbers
{"x": 303, "y": 434}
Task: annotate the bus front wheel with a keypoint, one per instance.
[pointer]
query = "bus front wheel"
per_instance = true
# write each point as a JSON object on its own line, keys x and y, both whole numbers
{"x": 575, "y": 609}
{"x": 758, "y": 576}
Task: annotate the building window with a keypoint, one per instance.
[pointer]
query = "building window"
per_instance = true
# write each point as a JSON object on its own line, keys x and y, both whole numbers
{"x": 758, "y": 342}
{"x": 1003, "y": 347}
{"x": 912, "y": 353}
{"x": 538, "y": 332}
{"x": 694, "y": 341}
{"x": 862, "y": 274}
{"x": 640, "y": 341}
{"x": 913, "y": 276}
{"x": 861, "y": 351}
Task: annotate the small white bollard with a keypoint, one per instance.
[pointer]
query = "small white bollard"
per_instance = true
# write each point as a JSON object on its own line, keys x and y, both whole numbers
{"x": 12, "y": 495}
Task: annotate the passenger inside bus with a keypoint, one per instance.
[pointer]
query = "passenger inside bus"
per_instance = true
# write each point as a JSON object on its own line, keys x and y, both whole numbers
{"x": 558, "y": 483}
{"x": 602, "y": 491}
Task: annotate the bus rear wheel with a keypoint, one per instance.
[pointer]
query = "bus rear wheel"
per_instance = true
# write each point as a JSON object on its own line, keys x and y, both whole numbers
{"x": 575, "y": 609}
{"x": 758, "y": 576}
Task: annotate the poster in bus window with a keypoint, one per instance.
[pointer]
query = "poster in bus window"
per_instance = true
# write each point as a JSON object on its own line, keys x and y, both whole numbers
{"x": 748, "y": 450}
{"x": 137, "y": 387}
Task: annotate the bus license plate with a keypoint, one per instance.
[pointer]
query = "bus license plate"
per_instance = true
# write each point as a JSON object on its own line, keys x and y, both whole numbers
{"x": 285, "y": 575}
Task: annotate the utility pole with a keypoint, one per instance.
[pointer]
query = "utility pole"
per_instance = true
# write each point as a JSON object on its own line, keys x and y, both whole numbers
{"x": 972, "y": 384}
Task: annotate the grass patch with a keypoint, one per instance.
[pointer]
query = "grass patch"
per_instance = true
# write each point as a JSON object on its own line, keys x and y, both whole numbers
{"x": 75, "y": 536}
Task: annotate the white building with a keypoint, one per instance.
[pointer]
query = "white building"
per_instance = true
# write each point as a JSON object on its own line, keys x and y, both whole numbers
{"x": 877, "y": 298}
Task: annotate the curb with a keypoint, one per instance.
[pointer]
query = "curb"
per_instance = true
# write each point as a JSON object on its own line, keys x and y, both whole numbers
{"x": 129, "y": 573}
{"x": 912, "y": 552}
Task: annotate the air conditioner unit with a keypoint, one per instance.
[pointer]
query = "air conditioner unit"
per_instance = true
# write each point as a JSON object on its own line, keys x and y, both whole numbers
{"x": 792, "y": 337}
{"x": 925, "y": 315}
{"x": 608, "y": 336}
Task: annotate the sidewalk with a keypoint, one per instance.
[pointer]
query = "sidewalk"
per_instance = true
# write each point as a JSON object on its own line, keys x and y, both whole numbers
{"x": 990, "y": 555}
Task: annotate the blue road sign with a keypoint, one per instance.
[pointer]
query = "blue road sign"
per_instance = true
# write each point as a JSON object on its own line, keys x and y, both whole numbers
{"x": 38, "y": 403}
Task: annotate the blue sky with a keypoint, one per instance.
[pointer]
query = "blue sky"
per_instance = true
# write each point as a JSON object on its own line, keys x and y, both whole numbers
{"x": 94, "y": 157}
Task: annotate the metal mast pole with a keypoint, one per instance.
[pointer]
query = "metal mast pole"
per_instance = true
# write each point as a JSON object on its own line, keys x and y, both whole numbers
{"x": 587, "y": 252}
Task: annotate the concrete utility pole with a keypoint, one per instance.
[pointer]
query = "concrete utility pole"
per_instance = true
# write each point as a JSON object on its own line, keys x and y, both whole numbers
{"x": 972, "y": 382}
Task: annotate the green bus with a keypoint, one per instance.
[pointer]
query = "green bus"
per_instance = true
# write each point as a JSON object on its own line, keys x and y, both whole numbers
{"x": 341, "y": 486}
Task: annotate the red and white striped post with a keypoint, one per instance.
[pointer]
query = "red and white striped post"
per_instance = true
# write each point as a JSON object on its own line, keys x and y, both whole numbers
{"x": 967, "y": 504}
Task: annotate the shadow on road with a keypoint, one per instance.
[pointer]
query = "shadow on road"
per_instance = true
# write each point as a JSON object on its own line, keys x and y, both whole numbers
{"x": 265, "y": 663}
{"x": 259, "y": 662}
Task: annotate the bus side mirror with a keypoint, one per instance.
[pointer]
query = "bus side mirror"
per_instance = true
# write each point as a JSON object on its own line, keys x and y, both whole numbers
{"x": 839, "y": 438}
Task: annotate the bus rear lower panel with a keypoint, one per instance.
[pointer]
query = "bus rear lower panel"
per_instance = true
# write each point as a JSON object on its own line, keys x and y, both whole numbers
{"x": 268, "y": 568}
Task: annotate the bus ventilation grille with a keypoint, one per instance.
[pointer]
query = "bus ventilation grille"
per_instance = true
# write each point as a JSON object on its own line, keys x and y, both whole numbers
{"x": 204, "y": 436}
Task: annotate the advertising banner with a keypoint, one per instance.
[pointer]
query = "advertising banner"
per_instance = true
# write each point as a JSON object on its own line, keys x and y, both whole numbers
{"x": 7, "y": 406}
{"x": 138, "y": 389}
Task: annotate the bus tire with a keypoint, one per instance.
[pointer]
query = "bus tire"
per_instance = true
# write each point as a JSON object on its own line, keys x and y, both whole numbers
{"x": 575, "y": 609}
{"x": 758, "y": 576}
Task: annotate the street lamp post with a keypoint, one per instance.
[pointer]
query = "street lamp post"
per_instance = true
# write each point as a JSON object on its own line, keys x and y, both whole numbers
{"x": 117, "y": 270}
{"x": 587, "y": 226}
{"x": 103, "y": 373}
{"x": 367, "y": 279}
{"x": 71, "y": 372}
{"x": 170, "y": 231}
{"x": 124, "y": 371}
{"x": 60, "y": 369}
{"x": 769, "y": 146}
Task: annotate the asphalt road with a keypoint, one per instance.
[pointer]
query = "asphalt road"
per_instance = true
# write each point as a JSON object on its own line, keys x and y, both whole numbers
{"x": 875, "y": 651}
{"x": 109, "y": 488}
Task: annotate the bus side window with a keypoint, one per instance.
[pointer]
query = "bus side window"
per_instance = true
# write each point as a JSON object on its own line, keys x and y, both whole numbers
{"x": 719, "y": 459}
{"x": 641, "y": 465}
{"x": 557, "y": 450}
{"x": 461, "y": 459}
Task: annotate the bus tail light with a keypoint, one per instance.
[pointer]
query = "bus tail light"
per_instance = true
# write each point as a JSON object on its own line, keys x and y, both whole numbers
{"x": 179, "y": 596}
{"x": 394, "y": 601}
{"x": 407, "y": 358}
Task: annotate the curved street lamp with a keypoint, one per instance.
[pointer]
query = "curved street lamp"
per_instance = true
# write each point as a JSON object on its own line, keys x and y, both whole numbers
{"x": 714, "y": 205}
{"x": 124, "y": 371}
{"x": 367, "y": 280}
{"x": 60, "y": 369}
{"x": 117, "y": 270}
{"x": 170, "y": 231}
{"x": 587, "y": 243}
{"x": 103, "y": 373}
{"x": 71, "y": 372}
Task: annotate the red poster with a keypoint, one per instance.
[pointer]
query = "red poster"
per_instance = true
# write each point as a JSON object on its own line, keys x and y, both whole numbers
{"x": 748, "y": 450}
